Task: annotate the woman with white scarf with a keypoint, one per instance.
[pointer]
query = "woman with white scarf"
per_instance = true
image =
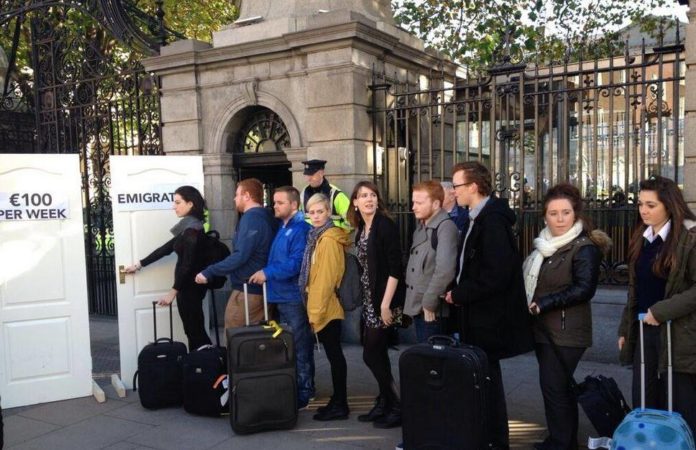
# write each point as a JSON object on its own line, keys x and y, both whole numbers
{"x": 561, "y": 276}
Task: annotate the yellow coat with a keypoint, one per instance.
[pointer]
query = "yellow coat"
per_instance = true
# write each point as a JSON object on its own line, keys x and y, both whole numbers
{"x": 325, "y": 274}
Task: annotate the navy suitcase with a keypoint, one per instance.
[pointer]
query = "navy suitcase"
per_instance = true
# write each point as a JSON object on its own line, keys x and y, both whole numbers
{"x": 262, "y": 374}
{"x": 158, "y": 379}
{"x": 652, "y": 428}
{"x": 205, "y": 377}
{"x": 444, "y": 391}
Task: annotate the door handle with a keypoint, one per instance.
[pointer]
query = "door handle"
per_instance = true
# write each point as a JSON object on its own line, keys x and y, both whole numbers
{"x": 122, "y": 274}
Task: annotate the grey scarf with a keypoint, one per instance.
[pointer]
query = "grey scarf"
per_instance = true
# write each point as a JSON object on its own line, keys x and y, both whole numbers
{"x": 185, "y": 223}
{"x": 312, "y": 239}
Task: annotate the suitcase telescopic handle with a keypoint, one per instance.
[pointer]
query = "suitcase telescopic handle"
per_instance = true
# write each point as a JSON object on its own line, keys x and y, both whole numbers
{"x": 441, "y": 339}
{"x": 154, "y": 321}
{"x": 641, "y": 317}
{"x": 215, "y": 317}
{"x": 246, "y": 303}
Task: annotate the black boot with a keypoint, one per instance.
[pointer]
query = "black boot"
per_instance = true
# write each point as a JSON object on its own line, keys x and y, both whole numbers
{"x": 338, "y": 410}
{"x": 391, "y": 419}
{"x": 328, "y": 405}
{"x": 392, "y": 412}
{"x": 376, "y": 412}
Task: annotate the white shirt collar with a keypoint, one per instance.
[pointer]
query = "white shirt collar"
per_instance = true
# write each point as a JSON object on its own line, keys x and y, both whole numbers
{"x": 663, "y": 233}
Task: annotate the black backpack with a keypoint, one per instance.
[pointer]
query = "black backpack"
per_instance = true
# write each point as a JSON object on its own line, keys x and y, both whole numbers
{"x": 214, "y": 250}
{"x": 433, "y": 235}
{"x": 349, "y": 291}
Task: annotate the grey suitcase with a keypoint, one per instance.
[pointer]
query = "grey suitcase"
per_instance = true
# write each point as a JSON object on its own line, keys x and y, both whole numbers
{"x": 262, "y": 374}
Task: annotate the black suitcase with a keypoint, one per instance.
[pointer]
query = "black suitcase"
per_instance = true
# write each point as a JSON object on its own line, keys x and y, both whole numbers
{"x": 205, "y": 377}
{"x": 444, "y": 392}
{"x": 262, "y": 374}
{"x": 158, "y": 379}
{"x": 603, "y": 403}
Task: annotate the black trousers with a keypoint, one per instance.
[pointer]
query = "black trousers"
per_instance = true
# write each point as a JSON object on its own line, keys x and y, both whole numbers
{"x": 560, "y": 403}
{"x": 189, "y": 301}
{"x": 684, "y": 395}
{"x": 498, "y": 431}
{"x": 655, "y": 388}
{"x": 330, "y": 336}
{"x": 376, "y": 357}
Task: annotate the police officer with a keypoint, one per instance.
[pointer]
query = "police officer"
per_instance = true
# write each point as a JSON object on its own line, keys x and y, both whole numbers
{"x": 317, "y": 183}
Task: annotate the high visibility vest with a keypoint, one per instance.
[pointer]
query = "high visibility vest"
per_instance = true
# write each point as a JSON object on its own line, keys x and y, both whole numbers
{"x": 337, "y": 218}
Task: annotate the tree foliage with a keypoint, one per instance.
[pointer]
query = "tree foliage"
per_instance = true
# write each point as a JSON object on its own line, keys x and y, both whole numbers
{"x": 193, "y": 19}
{"x": 479, "y": 33}
{"x": 76, "y": 31}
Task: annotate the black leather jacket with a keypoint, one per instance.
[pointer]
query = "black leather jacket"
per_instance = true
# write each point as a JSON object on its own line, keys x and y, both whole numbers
{"x": 566, "y": 284}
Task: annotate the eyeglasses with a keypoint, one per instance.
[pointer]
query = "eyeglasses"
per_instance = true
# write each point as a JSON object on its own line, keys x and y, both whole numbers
{"x": 455, "y": 186}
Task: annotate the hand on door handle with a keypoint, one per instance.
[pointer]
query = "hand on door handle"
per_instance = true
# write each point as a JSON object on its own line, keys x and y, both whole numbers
{"x": 123, "y": 271}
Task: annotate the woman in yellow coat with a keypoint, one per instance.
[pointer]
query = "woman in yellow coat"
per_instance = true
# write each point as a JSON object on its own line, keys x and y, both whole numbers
{"x": 322, "y": 270}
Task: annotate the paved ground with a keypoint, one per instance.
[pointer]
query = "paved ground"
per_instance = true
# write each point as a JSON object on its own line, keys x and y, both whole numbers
{"x": 124, "y": 424}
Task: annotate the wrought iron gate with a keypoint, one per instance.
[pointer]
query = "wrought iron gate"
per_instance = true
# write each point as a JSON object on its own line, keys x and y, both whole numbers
{"x": 84, "y": 97}
{"x": 602, "y": 124}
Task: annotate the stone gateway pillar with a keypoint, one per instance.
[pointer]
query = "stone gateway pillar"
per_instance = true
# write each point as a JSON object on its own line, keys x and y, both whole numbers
{"x": 690, "y": 111}
{"x": 288, "y": 81}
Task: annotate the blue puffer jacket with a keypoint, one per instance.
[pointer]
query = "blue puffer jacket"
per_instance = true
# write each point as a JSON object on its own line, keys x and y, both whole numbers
{"x": 285, "y": 261}
{"x": 250, "y": 248}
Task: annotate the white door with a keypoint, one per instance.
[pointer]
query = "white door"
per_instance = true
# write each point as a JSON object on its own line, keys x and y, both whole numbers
{"x": 142, "y": 190}
{"x": 44, "y": 325}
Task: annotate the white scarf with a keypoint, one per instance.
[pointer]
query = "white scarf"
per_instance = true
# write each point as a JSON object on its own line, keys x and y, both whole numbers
{"x": 545, "y": 245}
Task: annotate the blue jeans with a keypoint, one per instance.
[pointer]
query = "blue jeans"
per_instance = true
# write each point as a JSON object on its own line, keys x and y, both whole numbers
{"x": 295, "y": 315}
{"x": 426, "y": 329}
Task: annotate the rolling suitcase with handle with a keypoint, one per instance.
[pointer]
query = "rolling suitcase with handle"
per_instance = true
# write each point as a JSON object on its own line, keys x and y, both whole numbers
{"x": 205, "y": 377}
{"x": 262, "y": 374}
{"x": 444, "y": 391}
{"x": 646, "y": 428}
{"x": 158, "y": 379}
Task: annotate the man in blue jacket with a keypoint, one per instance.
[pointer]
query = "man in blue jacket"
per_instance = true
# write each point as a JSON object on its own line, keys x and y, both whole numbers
{"x": 280, "y": 274}
{"x": 250, "y": 248}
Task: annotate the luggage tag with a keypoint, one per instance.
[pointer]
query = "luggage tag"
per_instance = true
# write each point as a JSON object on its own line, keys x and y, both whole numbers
{"x": 277, "y": 328}
{"x": 224, "y": 379}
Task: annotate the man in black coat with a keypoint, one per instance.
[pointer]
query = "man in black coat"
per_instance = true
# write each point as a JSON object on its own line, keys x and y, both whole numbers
{"x": 489, "y": 287}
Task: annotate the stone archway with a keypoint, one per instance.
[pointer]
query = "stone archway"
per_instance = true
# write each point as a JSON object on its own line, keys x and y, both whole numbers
{"x": 228, "y": 120}
{"x": 257, "y": 139}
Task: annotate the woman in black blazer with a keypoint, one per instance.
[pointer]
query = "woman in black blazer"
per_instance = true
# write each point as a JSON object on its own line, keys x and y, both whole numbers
{"x": 379, "y": 253}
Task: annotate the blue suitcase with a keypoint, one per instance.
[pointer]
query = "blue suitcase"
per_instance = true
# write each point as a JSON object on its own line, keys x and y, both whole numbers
{"x": 651, "y": 428}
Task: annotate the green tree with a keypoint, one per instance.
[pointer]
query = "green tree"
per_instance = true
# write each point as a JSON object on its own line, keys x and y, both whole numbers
{"x": 81, "y": 34}
{"x": 478, "y": 33}
{"x": 194, "y": 19}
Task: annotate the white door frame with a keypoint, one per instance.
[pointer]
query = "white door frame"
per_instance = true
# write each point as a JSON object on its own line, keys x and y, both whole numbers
{"x": 141, "y": 224}
{"x": 44, "y": 314}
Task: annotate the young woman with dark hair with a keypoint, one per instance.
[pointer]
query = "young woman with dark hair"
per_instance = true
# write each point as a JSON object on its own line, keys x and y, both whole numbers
{"x": 379, "y": 253}
{"x": 662, "y": 284}
{"x": 190, "y": 207}
{"x": 561, "y": 276}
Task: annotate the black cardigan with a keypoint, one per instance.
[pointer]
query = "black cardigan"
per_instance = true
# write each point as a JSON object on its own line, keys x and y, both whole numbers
{"x": 383, "y": 259}
{"x": 189, "y": 258}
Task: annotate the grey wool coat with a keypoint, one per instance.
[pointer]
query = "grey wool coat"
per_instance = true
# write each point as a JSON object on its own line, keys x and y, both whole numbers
{"x": 430, "y": 271}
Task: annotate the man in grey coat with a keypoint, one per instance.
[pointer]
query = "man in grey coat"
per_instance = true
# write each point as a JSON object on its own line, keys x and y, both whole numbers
{"x": 432, "y": 260}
